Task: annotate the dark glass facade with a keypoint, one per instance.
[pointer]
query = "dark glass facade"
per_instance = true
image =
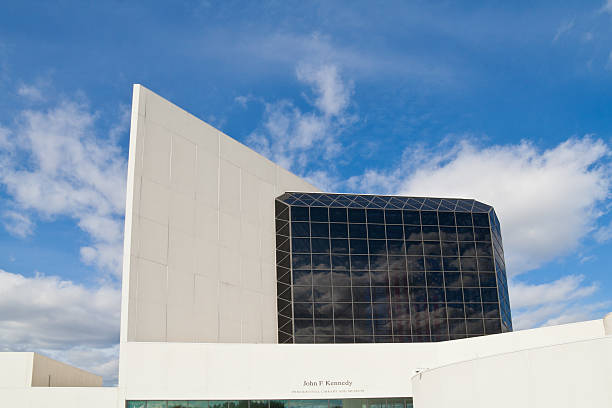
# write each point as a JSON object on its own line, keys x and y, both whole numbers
{"x": 365, "y": 268}
{"x": 322, "y": 403}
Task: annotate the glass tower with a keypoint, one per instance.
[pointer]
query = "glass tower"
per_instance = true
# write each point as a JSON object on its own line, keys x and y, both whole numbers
{"x": 365, "y": 268}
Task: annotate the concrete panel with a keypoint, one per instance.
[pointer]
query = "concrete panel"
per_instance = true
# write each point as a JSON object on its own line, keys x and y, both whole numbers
{"x": 155, "y": 201}
{"x": 152, "y": 281}
{"x": 153, "y": 241}
{"x": 183, "y": 166}
{"x": 156, "y": 154}
{"x": 183, "y": 212}
{"x": 229, "y": 188}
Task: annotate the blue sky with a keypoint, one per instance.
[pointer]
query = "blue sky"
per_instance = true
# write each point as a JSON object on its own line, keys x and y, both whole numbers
{"x": 506, "y": 102}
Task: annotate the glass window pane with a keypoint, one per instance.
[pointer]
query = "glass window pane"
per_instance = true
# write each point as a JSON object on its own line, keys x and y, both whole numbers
{"x": 356, "y": 215}
{"x": 238, "y": 404}
{"x": 412, "y": 233}
{"x": 376, "y": 231}
{"x": 414, "y": 248}
{"x": 302, "y": 328}
{"x": 341, "y": 294}
{"x": 321, "y": 277}
{"x": 375, "y": 216}
{"x": 198, "y": 404}
{"x": 135, "y": 404}
{"x": 302, "y": 293}
{"x": 302, "y": 310}
{"x": 412, "y": 217}
{"x": 323, "y": 311}
{"x": 300, "y": 245}
{"x": 429, "y": 217}
{"x": 396, "y": 247}
{"x": 463, "y": 218}
{"x": 337, "y": 214}
{"x": 393, "y": 216}
{"x": 157, "y": 404}
{"x": 339, "y": 246}
{"x": 322, "y": 293}
{"x": 430, "y": 233}
{"x": 360, "y": 278}
{"x": 446, "y": 218}
{"x": 300, "y": 229}
{"x": 319, "y": 214}
{"x": 450, "y": 249}
{"x": 321, "y": 261}
{"x": 357, "y": 231}
{"x": 319, "y": 229}
{"x": 320, "y": 245}
{"x": 338, "y": 230}
{"x": 416, "y": 278}
{"x": 415, "y": 263}
{"x": 395, "y": 231}
{"x": 480, "y": 220}
{"x": 360, "y": 262}
{"x": 299, "y": 213}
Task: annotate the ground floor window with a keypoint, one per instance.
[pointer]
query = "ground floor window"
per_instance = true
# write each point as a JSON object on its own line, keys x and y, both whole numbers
{"x": 323, "y": 403}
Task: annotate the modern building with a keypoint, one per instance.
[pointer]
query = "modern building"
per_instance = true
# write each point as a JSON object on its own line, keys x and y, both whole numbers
{"x": 383, "y": 269}
{"x": 227, "y": 255}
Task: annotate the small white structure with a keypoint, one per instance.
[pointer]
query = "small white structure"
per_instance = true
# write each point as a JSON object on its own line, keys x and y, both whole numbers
{"x": 199, "y": 319}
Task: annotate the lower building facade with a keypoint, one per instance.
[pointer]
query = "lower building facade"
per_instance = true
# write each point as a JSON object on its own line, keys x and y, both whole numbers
{"x": 562, "y": 366}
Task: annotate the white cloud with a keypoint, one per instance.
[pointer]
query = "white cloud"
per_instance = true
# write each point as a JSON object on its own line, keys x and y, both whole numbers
{"x": 54, "y": 164}
{"x": 243, "y": 100}
{"x": 283, "y": 49}
{"x": 103, "y": 256}
{"x": 18, "y": 224}
{"x": 332, "y": 94}
{"x": 564, "y": 289}
{"x": 609, "y": 62}
{"x": 294, "y": 138}
{"x": 51, "y": 315}
{"x": 564, "y": 29}
{"x": 564, "y": 300}
{"x": 30, "y": 92}
{"x": 607, "y": 7}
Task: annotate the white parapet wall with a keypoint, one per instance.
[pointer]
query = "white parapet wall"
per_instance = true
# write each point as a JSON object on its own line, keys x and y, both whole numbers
{"x": 293, "y": 371}
{"x": 65, "y": 397}
{"x": 576, "y": 374}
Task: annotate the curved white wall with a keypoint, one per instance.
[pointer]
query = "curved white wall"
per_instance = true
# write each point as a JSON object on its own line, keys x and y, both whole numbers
{"x": 577, "y": 374}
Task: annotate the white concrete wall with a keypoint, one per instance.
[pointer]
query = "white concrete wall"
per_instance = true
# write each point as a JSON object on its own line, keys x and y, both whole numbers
{"x": 273, "y": 371}
{"x": 577, "y": 374}
{"x": 16, "y": 370}
{"x": 199, "y": 255}
{"x": 43, "y": 397}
